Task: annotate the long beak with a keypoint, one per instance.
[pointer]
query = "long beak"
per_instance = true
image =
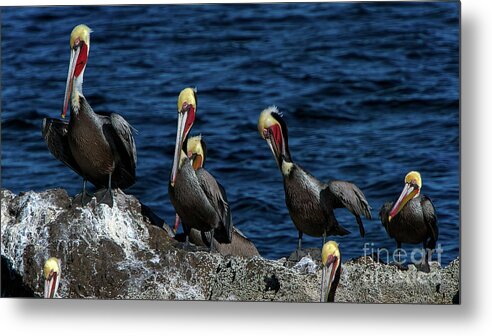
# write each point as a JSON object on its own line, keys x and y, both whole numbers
{"x": 176, "y": 224}
{"x": 275, "y": 150}
{"x": 406, "y": 195}
{"x": 179, "y": 145}
{"x": 68, "y": 90}
{"x": 51, "y": 286}
{"x": 327, "y": 276}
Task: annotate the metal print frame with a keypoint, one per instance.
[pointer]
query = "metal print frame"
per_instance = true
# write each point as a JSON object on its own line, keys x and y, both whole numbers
{"x": 300, "y": 152}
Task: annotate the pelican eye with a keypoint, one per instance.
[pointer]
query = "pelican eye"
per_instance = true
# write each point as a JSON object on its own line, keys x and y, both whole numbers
{"x": 186, "y": 107}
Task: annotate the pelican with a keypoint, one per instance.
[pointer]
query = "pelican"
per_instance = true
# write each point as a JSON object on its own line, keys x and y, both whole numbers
{"x": 196, "y": 151}
{"x": 240, "y": 245}
{"x": 52, "y": 274}
{"x": 310, "y": 202}
{"x": 197, "y": 197}
{"x": 99, "y": 147}
{"x": 412, "y": 219}
{"x": 330, "y": 276}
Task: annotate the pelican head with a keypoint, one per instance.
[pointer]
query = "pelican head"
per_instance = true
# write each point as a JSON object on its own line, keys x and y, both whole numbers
{"x": 413, "y": 184}
{"x": 186, "y": 116}
{"x": 79, "y": 52}
{"x": 330, "y": 259}
{"x": 52, "y": 274}
{"x": 196, "y": 151}
{"x": 273, "y": 129}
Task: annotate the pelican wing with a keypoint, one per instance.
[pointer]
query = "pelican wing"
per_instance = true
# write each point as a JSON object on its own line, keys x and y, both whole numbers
{"x": 348, "y": 195}
{"x": 119, "y": 134}
{"x": 351, "y": 197}
{"x": 217, "y": 197}
{"x": 384, "y": 214}
{"x": 55, "y": 135}
{"x": 430, "y": 219}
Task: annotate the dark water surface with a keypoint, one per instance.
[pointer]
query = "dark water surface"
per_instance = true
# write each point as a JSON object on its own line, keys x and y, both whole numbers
{"x": 369, "y": 91}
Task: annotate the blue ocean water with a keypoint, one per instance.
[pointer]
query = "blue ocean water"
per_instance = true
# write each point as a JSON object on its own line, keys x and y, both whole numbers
{"x": 369, "y": 91}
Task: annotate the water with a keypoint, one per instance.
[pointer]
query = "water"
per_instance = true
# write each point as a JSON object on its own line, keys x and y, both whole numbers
{"x": 369, "y": 91}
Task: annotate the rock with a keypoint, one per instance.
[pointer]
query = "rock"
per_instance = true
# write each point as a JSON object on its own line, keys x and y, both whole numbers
{"x": 364, "y": 280}
{"x": 118, "y": 253}
{"x": 306, "y": 265}
{"x": 313, "y": 253}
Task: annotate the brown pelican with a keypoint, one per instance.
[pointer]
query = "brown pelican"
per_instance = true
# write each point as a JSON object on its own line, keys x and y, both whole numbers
{"x": 196, "y": 196}
{"x": 310, "y": 202}
{"x": 330, "y": 276}
{"x": 196, "y": 152}
{"x": 240, "y": 245}
{"x": 98, "y": 147}
{"x": 412, "y": 219}
{"x": 52, "y": 274}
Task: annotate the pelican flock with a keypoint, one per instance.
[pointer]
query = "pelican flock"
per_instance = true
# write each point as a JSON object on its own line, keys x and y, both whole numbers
{"x": 101, "y": 149}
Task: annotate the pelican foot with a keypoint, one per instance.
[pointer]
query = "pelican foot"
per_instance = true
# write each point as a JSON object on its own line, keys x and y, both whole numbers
{"x": 104, "y": 196}
{"x": 297, "y": 255}
{"x": 187, "y": 246}
{"x": 82, "y": 199}
{"x": 401, "y": 267}
{"x": 211, "y": 241}
{"x": 423, "y": 267}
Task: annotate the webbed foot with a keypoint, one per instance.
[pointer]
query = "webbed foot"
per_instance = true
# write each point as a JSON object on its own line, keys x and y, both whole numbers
{"x": 82, "y": 199}
{"x": 104, "y": 196}
{"x": 423, "y": 267}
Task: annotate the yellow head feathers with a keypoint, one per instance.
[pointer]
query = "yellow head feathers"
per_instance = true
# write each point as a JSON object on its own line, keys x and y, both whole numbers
{"x": 80, "y": 33}
{"x": 330, "y": 249}
{"x": 413, "y": 177}
{"x": 188, "y": 96}
{"x": 51, "y": 266}
{"x": 194, "y": 145}
{"x": 266, "y": 119}
{"x": 195, "y": 149}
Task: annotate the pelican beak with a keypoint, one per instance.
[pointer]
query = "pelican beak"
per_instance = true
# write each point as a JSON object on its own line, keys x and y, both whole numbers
{"x": 409, "y": 192}
{"x": 78, "y": 60}
{"x": 176, "y": 224}
{"x": 197, "y": 161}
{"x": 274, "y": 145}
{"x": 52, "y": 273}
{"x": 51, "y": 285}
{"x": 186, "y": 117}
{"x": 74, "y": 55}
{"x": 328, "y": 274}
{"x": 180, "y": 135}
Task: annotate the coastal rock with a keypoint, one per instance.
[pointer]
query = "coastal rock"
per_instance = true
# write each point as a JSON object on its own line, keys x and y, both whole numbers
{"x": 364, "y": 280}
{"x": 121, "y": 252}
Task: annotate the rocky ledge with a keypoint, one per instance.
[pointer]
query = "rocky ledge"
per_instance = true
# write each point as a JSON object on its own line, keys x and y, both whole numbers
{"x": 127, "y": 252}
